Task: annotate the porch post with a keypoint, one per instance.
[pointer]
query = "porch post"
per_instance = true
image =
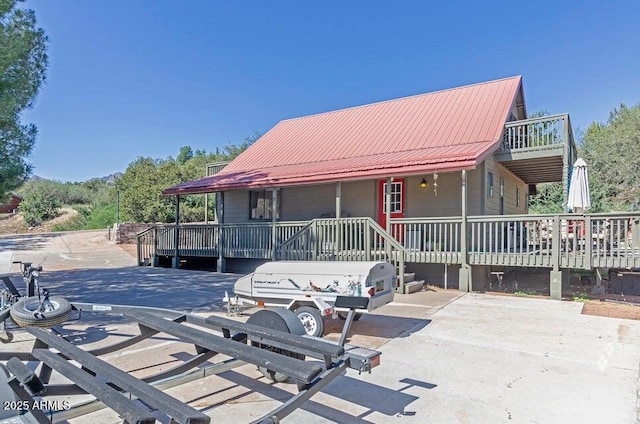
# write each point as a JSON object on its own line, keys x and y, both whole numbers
{"x": 338, "y": 199}
{"x": 567, "y": 162}
{"x": 176, "y": 236}
{"x": 274, "y": 233}
{"x": 464, "y": 280}
{"x": 387, "y": 202}
{"x": 206, "y": 208}
{"x": 338, "y": 212}
{"x": 555, "y": 276}
{"x": 221, "y": 265}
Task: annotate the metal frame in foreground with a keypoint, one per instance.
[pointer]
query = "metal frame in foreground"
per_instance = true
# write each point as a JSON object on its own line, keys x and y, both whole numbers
{"x": 142, "y": 400}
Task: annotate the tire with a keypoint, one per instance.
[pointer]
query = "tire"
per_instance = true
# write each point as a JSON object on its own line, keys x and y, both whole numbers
{"x": 282, "y": 320}
{"x": 24, "y": 313}
{"x": 343, "y": 316}
{"x": 311, "y": 320}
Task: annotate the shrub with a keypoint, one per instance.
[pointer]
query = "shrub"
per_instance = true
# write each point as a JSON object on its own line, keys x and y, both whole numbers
{"x": 40, "y": 202}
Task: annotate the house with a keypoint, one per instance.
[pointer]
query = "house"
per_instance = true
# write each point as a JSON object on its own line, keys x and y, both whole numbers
{"x": 400, "y": 180}
{"x": 11, "y": 205}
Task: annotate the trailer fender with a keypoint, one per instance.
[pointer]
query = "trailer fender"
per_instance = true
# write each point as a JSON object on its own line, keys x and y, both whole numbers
{"x": 281, "y": 320}
{"x": 325, "y": 309}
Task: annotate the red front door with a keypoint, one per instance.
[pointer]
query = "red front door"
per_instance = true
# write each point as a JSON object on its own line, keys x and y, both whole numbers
{"x": 397, "y": 200}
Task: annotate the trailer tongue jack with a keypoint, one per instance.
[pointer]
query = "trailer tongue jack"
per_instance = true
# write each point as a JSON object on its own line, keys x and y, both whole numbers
{"x": 267, "y": 343}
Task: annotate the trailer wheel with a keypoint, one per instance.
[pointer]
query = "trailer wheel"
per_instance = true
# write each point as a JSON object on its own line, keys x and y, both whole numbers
{"x": 311, "y": 320}
{"x": 24, "y": 312}
{"x": 281, "y": 320}
{"x": 343, "y": 316}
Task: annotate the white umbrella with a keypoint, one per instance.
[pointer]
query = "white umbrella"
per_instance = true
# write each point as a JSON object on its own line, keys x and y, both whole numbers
{"x": 579, "y": 198}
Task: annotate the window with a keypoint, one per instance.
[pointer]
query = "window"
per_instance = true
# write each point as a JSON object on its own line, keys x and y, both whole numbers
{"x": 490, "y": 184}
{"x": 396, "y": 198}
{"x": 517, "y": 197}
{"x": 260, "y": 205}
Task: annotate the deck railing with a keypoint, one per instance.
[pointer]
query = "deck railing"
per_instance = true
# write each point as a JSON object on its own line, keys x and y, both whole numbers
{"x": 564, "y": 241}
{"x": 245, "y": 240}
{"x": 430, "y": 240}
{"x": 536, "y": 133}
{"x": 511, "y": 240}
{"x": 146, "y": 245}
{"x": 196, "y": 240}
{"x": 343, "y": 239}
{"x": 255, "y": 240}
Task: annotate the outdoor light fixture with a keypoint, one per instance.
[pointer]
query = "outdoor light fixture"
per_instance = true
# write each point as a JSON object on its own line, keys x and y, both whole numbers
{"x": 423, "y": 183}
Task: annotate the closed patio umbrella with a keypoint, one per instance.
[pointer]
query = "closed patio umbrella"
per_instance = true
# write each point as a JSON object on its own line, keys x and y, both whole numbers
{"x": 579, "y": 198}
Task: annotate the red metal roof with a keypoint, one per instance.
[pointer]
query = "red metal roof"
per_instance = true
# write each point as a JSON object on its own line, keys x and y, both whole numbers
{"x": 445, "y": 130}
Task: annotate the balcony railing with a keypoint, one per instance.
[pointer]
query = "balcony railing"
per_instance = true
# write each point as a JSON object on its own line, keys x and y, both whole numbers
{"x": 537, "y": 133}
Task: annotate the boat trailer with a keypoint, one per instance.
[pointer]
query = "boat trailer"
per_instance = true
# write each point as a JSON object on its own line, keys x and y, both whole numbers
{"x": 273, "y": 340}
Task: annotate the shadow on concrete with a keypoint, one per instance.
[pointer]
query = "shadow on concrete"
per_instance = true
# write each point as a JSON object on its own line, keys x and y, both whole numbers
{"x": 181, "y": 290}
{"x": 185, "y": 291}
{"x": 377, "y": 399}
{"x": 26, "y": 242}
{"x": 376, "y": 325}
{"x": 93, "y": 333}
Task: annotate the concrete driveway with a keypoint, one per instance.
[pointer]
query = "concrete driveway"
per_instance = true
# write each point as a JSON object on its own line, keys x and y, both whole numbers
{"x": 447, "y": 357}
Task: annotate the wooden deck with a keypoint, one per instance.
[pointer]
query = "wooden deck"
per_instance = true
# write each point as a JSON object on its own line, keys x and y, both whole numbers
{"x": 553, "y": 241}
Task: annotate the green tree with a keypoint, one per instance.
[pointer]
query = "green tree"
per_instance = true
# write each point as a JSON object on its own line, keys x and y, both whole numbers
{"x": 142, "y": 183}
{"x": 548, "y": 200}
{"x": 141, "y": 189}
{"x": 101, "y": 217}
{"x": 185, "y": 154}
{"x": 41, "y": 201}
{"x": 610, "y": 150}
{"x": 23, "y": 65}
{"x": 614, "y": 167}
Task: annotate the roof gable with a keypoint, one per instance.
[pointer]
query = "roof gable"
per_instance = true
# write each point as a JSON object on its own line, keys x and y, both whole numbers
{"x": 444, "y": 130}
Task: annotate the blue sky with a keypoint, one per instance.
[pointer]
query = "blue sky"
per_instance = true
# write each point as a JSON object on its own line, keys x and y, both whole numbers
{"x": 143, "y": 78}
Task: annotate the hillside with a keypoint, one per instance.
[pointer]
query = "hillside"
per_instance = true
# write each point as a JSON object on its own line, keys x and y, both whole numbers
{"x": 109, "y": 179}
{"x": 14, "y": 223}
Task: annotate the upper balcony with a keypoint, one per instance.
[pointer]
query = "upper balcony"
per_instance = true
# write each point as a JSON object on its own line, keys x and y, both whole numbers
{"x": 538, "y": 150}
{"x": 215, "y": 167}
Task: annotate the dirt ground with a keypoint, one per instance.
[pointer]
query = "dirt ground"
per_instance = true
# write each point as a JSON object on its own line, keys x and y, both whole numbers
{"x": 131, "y": 249}
{"x": 14, "y": 223}
{"x": 607, "y": 305}
{"x": 606, "y": 308}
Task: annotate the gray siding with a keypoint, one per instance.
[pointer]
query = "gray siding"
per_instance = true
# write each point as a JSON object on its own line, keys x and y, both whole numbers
{"x": 304, "y": 203}
{"x": 475, "y": 199}
{"x": 360, "y": 198}
{"x": 421, "y": 202}
{"x": 511, "y": 183}
{"x": 236, "y": 206}
{"x": 308, "y": 202}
